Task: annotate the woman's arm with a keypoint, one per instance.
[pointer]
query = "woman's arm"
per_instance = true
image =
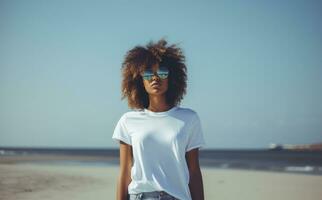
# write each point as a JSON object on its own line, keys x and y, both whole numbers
{"x": 124, "y": 178}
{"x": 195, "y": 183}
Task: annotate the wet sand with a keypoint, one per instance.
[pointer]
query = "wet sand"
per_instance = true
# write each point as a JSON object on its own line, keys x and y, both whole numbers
{"x": 34, "y": 181}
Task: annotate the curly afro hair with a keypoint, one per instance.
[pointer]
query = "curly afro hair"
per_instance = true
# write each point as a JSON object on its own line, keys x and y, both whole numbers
{"x": 143, "y": 57}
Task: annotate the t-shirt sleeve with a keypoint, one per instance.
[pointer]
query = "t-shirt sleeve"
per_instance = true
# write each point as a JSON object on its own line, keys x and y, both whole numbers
{"x": 196, "y": 139}
{"x": 120, "y": 131}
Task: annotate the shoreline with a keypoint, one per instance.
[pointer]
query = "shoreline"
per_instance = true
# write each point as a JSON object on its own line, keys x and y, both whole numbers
{"x": 106, "y": 161}
{"x": 29, "y": 180}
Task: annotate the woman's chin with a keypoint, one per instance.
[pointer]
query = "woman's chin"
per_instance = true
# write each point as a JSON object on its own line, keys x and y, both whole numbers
{"x": 156, "y": 91}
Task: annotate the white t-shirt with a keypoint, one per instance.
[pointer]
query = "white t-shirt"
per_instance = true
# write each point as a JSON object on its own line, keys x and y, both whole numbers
{"x": 159, "y": 142}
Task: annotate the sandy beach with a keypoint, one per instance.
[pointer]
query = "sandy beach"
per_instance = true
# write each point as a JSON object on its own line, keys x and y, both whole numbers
{"x": 32, "y": 181}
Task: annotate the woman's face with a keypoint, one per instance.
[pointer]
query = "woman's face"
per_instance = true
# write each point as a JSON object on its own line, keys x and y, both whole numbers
{"x": 156, "y": 86}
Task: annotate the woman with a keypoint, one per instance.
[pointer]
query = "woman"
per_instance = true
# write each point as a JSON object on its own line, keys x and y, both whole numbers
{"x": 159, "y": 141}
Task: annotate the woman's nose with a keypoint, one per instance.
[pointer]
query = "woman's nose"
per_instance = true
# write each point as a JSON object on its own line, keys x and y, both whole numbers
{"x": 155, "y": 77}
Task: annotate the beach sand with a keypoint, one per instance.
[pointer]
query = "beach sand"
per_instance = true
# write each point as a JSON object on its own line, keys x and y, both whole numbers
{"x": 32, "y": 181}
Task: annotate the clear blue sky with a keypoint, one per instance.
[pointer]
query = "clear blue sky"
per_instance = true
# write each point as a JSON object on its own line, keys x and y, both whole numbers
{"x": 254, "y": 68}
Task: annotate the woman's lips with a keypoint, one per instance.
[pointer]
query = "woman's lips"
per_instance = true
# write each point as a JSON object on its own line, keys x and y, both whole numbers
{"x": 155, "y": 84}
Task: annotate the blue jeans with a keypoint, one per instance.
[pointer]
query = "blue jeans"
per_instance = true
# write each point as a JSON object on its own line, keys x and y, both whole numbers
{"x": 155, "y": 195}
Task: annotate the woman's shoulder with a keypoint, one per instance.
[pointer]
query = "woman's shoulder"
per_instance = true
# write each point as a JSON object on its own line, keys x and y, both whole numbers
{"x": 187, "y": 111}
{"x": 131, "y": 113}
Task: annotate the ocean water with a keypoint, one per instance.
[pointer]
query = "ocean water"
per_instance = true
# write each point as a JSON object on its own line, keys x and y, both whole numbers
{"x": 303, "y": 162}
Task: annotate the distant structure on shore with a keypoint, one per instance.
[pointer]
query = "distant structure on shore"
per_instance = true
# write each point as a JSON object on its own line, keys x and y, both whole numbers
{"x": 295, "y": 147}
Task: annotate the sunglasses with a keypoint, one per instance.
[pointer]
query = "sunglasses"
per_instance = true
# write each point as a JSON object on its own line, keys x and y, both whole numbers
{"x": 162, "y": 73}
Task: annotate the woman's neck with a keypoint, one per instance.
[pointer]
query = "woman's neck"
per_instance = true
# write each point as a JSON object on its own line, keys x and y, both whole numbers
{"x": 157, "y": 104}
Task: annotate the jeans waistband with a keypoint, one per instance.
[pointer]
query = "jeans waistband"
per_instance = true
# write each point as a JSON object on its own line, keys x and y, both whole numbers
{"x": 153, "y": 194}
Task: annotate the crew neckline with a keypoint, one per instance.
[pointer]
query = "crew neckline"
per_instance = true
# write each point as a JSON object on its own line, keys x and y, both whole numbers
{"x": 162, "y": 113}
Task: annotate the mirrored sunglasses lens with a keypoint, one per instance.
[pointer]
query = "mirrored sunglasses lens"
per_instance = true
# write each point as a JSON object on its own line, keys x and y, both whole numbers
{"x": 163, "y": 70}
{"x": 163, "y": 75}
{"x": 147, "y": 77}
{"x": 146, "y": 73}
